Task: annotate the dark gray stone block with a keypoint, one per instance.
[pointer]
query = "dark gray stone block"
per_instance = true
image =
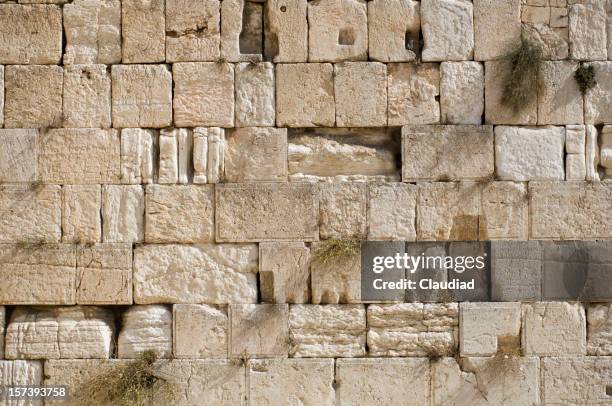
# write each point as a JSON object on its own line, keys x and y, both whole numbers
{"x": 516, "y": 271}
{"x": 370, "y": 250}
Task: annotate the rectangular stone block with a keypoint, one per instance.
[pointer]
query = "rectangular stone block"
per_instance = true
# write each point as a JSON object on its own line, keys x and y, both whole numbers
{"x": 21, "y": 373}
{"x": 87, "y": 96}
{"x": 495, "y": 111}
{"x": 24, "y": 45}
{"x": 123, "y": 212}
{"x": 462, "y": 92}
{"x": 143, "y": 30}
{"x": 413, "y": 91}
{"x": 575, "y": 139}
{"x": 138, "y": 155}
{"x": 284, "y": 272}
{"x": 487, "y": 329}
{"x": 255, "y": 94}
{"x": 175, "y": 155}
{"x": 448, "y": 30}
{"x": 599, "y": 329}
{"x": 575, "y": 167}
{"x": 81, "y": 221}
{"x": 193, "y": 31}
{"x": 286, "y": 31}
{"x": 597, "y": 109}
{"x": 208, "y": 154}
{"x": 360, "y": 91}
{"x": 104, "y": 274}
{"x": 259, "y": 330}
{"x": 200, "y": 331}
{"x": 516, "y": 270}
{"x": 560, "y": 100}
{"x": 342, "y": 210}
{"x": 504, "y": 211}
{"x": 587, "y": 30}
{"x": 393, "y": 30}
{"x": 145, "y": 328}
{"x": 335, "y": 272}
{"x": 192, "y": 274}
{"x": 2, "y": 96}
{"x": 392, "y": 211}
{"x": 242, "y": 31}
{"x": 497, "y": 28}
{"x": 434, "y": 273}
{"x": 294, "y": 217}
{"x": 79, "y": 156}
{"x": 18, "y": 150}
{"x": 579, "y": 380}
{"x": 478, "y": 275}
{"x": 327, "y": 331}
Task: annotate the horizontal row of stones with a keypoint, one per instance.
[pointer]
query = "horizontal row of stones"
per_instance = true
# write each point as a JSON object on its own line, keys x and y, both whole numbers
{"x": 348, "y": 94}
{"x": 110, "y": 31}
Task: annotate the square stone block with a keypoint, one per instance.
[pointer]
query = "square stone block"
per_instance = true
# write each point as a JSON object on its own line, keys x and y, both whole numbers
{"x": 81, "y": 220}
{"x": 448, "y": 30}
{"x": 284, "y": 272}
{"x": 487, "y": 329}
{"x": 342, "y": 210}
{"x": 495, "y": 111}
{"x": 143, "y": 328}
{"x": 360, "y": 90}
{"x": 259, "y": 330}
{"x": 335, "y": 278}
{"x": 576, "y": 380}
{"x": 497, "y": 28}
{"x": 87, "y": 96}
{"x": 597, "y": 108}
{"x": 516, "y": 270}
{"x": 193, "y": 31}
{"x": 286, "y": 31}
{"x": 143, "y": 31}
{"x": 255, "y": 94}
{"x": 104, "y": 274}
{"x": 599, "y": 328}
{"x": 392, "y": 211}
{"x": 393, "y": 30}
{"x": 200, "y": 331}
{"x": 123, "y": 212}
{"x": 462, "y": 92}
{"x": 504, "y": 211}
{"x": 560, "y": 100}
{"x": 413, "y": 91}
{"x": 18, "y": 151}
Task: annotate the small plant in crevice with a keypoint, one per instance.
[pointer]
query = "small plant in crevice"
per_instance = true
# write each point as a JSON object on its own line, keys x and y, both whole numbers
{"x": 524, "y": 78}
{"x": 585, "y": 77}
{"x": 333, "y": 248}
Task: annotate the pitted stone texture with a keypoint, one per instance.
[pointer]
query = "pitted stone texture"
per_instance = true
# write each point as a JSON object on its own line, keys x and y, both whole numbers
{"x": 486, "y": 381}
{"x": 192, "y": 30}
{"x": 587, "y": 30}
{"x": 22, "y": 44}
{"x": 327, "y": 331}
{"x": 175, "y": 156}
{"x": 360, "y": 90}
{"x": 21, "y": 373}
{"x": 307, "y": 382}
{"x": 208, "y": 273}
{"x": 208, "y": 152}
{"x": 412, "y": 93}
{"x": 123, "y": 213}
{"x": 338, "y": 30}
{"x": 138, "y": 160}
{"x": 143, "y": 30}
{"x": 516, "y": 270}
{"x": 495, "y": 111}
{"x": 448, "y": 211}
{"x": 462, "y": 92}
{"x": 142, "y": 95}
{"x": 497, "y": 28}
{"x": 93, "y": 32}
{"x": 504, "y": 211}
{"x": 87, "y": 96}
{"x": 1, "y": 96}
{"x": 286, "y": 31}
{"x": 525, "y": 154}
{"x": 259, "y": 330}
{"x": 554, "y": 329}
{"x": 448, "y": 30}
{"x": 553, "y": 41}
{"x": 413, "y": 329}
{"x": 392, "y": 211}
{"x": 393, "y": 30}
{"x": 243, "y": 212}
{"x": 145, "y": 328}
{"x": 574, "y": 381}
{"x": 203, "y": 94}
{"x": 447, "y": 152}
{"x": 200, "y": 331}
{"x": 575, "y": 167}
{"x": 254, "y": 94}
{"x": 241, "y": 31}
{"x": 305, "y": 95}
{"x": 560, "y": 100}
{"x": 61, "y": 332}
{"x": 598, "y": 100}
{"x": 81, "y": 221}
{"x": 337, "y": 279}
{"x": 592, "y": 153}
{"x": 570, "y": 210}
{"x": 183, "y": 214}
{"x": 575, "y": 139}
{"x": 284, "y": 272}
{"x": 606, "y": 147}
{"x": 40, "y": 275}
{"x": 489, "y": 328}
{"x": 30, "y": 215}
{"x": 599, "y": 333}
{"x": 32, "y": 96}
{"x": 254, "y": 154}
{"x": 104, "y": 274}
{"x": 342, "y": 210}
{"x": 18, "y": 150}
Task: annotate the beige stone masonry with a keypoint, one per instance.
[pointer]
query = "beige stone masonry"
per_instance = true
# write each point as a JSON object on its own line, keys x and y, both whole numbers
{"x": 587, "y": 30}
{"x": 18, "y": 153}
{"x": 2, "y": 324}
{"x": 337, "y": 280}
{"x": 81, "y": 219}
{"x": 580, "y": 380}
{"x": 200, "y": 331}
{"x": 143, "y": 31}
{"x": 123, "y": 212}
{"x": 21, "y": 373}
{"x": 238, "y": 17}
{"x": 487, "y": 329}
{"x": 259, "y": 330}
{"x": 391, "y": 211}
{"x": 145, "y": 328}
{"x": 138, "y": 155}
{"x": 504, "y": 211}
{"x": 192, "y": 30}
{"x": 560, "y": 100}
{"x": 342, "y": 209}
{"x": 208, "y": 154}
{"x": 598, "y": 101}
{"x": 497, "y": 28}
{"x": 599, "y": 329}
{"x": 495, "y": 111}
{"x": 87, "y": 96}
{"x": 412, "y": 91}
{"x": 448, "y": 30}
{"x": 284, "y": 272}
{"x": 255, "y": 94}
{"x": 393, "y": 30}
{"x": 461, "y": 92}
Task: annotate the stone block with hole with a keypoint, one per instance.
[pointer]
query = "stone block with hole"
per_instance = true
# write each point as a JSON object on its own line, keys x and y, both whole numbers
{"x": 487, "y": 329}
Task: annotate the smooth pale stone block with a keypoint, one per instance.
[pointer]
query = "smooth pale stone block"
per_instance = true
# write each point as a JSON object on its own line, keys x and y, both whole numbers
{"x": 87, "y": 96}
{"x": 487, "y": 329}
{"x": 448, "y": 30}
{"x": 284, "y": 272}
{"x": 254, "y": 94}
{"x": 497, "y": 28}
{"x": 286, "y": 31}
{"x": 138, "y": 155}
{"x": 123, "y": 209}
{"x": 81, "y": 220}
{"x": 146, "y": 328}
{"x": 413, "y": 91}
{"x": 259, "y": 330}
{"x": 576, "y": 380}
{"x": 200, "y": 331}
{"x": 504, "y": 211}
{"x": 18, "y": 153}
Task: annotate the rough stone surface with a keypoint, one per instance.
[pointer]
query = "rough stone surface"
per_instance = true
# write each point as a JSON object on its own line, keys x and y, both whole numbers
{"x": 587, "y": 30}
{"x": 580, "y": 380}
{"x": 81, "y": 221}
{"x": 192, "y": 30}
{"x": 360, "y": 90}
{"x": 412, "y": 93}
{"x": 286, "y": 36}
{"x": 1, "y": 96}
{"x": 208, "y": 154}
{"x": 87, "y": 96}
{"x": 2, "y": 323}
{"x": 497, "y": 28}
{"x": 592, "y": 153}
{"x": 284, "y": 272}
{"x": 495, "y": 111}
{"x": 504, "y": 211}
{"x": 259, "y": 330}
{"x": 123, "y": 213}
{"x": 254, "y": 94}
{"x": 241, "y": 31}
{"x": 143, "y": 31}
{"x": 487, "y": 329}
{"x": 599, "y": 333}
{"x": 516, "y": 270}
{"x": 200, "y": 331}
{"x": 337, "y": 279}
{"x": 393, "y": 30}
{"x": 18, "y": 151}
{"x": 448, "y": 30}
{"x": 560, "y": 100}
{"x": 392, "y": 211}
{"x": 575, "y": 139}
{"x": 138, "y": 159}
{"x": 462, "y": 92}
{"x": 144, "y": 328}
{"x": 342, "y": 210}
{"x": 598, "y": 101}
{"x": 21, "y": 373}
{"x": 104, "y": 274}
{"x": 575, "y": 167}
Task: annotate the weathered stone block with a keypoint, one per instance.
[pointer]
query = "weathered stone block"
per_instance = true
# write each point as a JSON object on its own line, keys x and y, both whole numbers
{"x": 32, "y": 96}
{"x": 146, "y": 328}
{"x": 495, "y": 111}
{"x": 487, "y": 329}
{"x": 192, "y": 30}
{"x": 393, "y": 30}
{"x": 286, "y": 35}
{"x": 18, "y": 150}
{"x": 360, "y": 90}
{"x": 560, "y": 100}
{"x": 21, "y": 373}
{"x": 413, "y": 93}
{"x": 87, "y": 96}
{"x": 305, "y": 95}
{"x": 123, "y": 213}
{"x": 336, "y": 279}
{"x": 23, "y": 44}
{"x": 104, "y": 274}
{"x": 605, "y": 158}
{"x": 575, "y": 139}
{"x": 587, "y": 30}
{"x": 143, "y": 31}
{"x": 462, "y": 92}
{"x": 284, "y": 272}
{"x": 342, "y": 210}
{"x": 242, "y": 31}
{"x": 327, "y": 331}
{"x": 81, "y": 222}
{"x": 448, "y": 30}
{"x": 60, "y": 332}
{"x": 2, "y": 323}
{"x": 259, "y": 330}
{"x": 504, "y": 211}
{"x": 592, "y": 153}
{"x": 598, "y": 100}
{"x": 242, "y": 212}
{"x": 370, "y": 280}
{"x": 200, "y": 331}
{"x": 579, "y": 380}
{"x": 497, "y": 28}
{"x": 138, "y": 160}
{"x": 575, "y": 167}
{"x": 142, "y": 95}
{"x": 208, "y": 154}
{"x": 254, "y": 94}
{"x": 599, "y": 332}
{"x": 392, "y": 211}
{"x": 1, "y": 96}
{"x": 479, "y": 275}
{"x": 176, "y": 147}
{"x": 192, "y": 274}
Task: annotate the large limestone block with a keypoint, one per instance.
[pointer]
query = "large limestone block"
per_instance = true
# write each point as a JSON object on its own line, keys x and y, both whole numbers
{"x": 360, "y": 90}
{"x": 276, "y": 382}
{"x": 448, "y": 211}
{"x": 138, "y": 155}
{"x": 208, "y": 152}
{"x": 93, "y": 32}
{"x": 2, "y": 323}
{"x": 516, "y": 270}
{"x": 200, "y": 331}
{"x": 183, "y": 214}
{"x": 81, "y": 220}
{"x": 575, "y": 139}
{"x": 43, "y": 274}
{"x": 599, "y": 332}
{"x": 203, "y": 94}
{"x": 104, "y": 274}
{"x": 489, "y": 328}
{"x": 338, "y": 30}
{"x": 392, "y": 211}
{"x": 448, "y": 30}
{"x": 598, "y": 100}
{"x": 176, "y": 152}
{"x": 254, "y": 94}
{"x": 554, "y": 329}
{"x": 193, "y": 31}
{"x": 525, "y": 154}
{"x": 504, "y": 211}
{"x": 592, "y": 153}
{"x": 144, "y": 328}
{"x": 284, "y": 272}
{"x": 1, "y": 96}
{"x": 497, "y": 28}
{"x": 32, "y": 96}
{"x": 60, "y": 332}
{"x": 413, "y": 329}
{"x": 486, "y": 381}
{"x": 413, "y": 93}
{"x": 242, "y": 31}
{"x": 336, "y": 279}
{"x": 560, "y": 100}
{"x": 209, "y": 273}
{"x": 575, "y": 167}
{"x": 462, "y": 92}
{"x": 576, "y": 381}
{"x": 18, "y": 150}
{"x": 142, "y": 95}
{"x": 553, "y": 41}
{"x": 259, "y": 330}
{"x": 570, "y": 210}
{"x": 79, "y": 156}
{"x": 587, "y": 30}
{"x": 21, "y": 373}
{"x": 383, "y": 381}
{"x": 327, "y": 331}
{"x": 143, "y": 31}
{"x": 447, "y": 153}
{"x": 254, "y": 154}
{"x": 495, "y": 111}
{"x": 305, "y": 95}
{"x": 87, "y": 96}
{"x": 393, "y": 30}
{"x": 286, "y": 36}
{"x": 606, "y": 147}
{"x": 24, "y": 45}
{"x": 123, "y": 212}
{"x": 243, "y": 212}
{"x": 342, "y": 210}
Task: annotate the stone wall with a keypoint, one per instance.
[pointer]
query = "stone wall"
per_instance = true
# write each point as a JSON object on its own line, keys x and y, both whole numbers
{"x": 168, "y": 169}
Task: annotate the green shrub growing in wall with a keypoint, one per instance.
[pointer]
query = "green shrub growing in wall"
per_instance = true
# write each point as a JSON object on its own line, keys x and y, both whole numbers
{"x": 524, "y": 79}
{"x": 585, "y": 77}
{"x": 336, "y": 248}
